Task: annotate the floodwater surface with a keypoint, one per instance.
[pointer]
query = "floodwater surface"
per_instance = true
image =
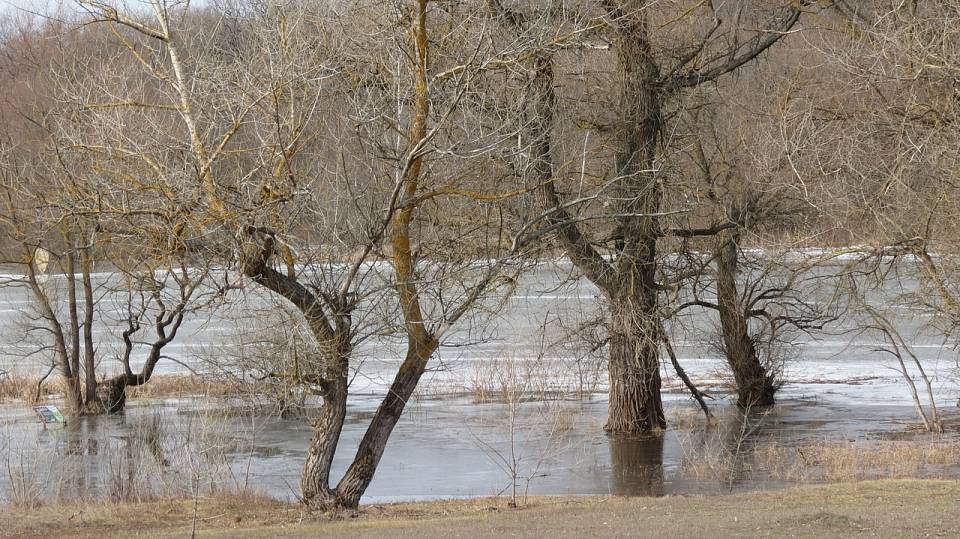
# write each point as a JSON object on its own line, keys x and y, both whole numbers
{"x": 441, "y": 448}
{"x": 838, "y": 388}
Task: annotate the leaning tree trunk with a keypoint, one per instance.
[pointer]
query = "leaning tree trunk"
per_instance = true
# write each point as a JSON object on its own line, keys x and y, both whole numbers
{"x": 315, "y": 477}
{"x": 360, "y": 473}
{"x": 421, "y": 343}
{"x": 755, "y": 387}
{"x": 111, "y": 394}
{"x": 74, "y": 396}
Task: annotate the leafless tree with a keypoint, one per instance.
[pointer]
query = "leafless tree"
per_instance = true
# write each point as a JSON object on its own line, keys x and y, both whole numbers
{"x": 323, "y": 159}
{"x": 882, "y": 129}
{"x": 693, "y": 45}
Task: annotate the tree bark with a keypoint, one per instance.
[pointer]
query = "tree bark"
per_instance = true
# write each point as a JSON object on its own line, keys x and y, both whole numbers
{"x": 629, "y": 283}
{"x": 635, "y": 405}
{"x": 421, "y": 343}
{"x": 93, "y": 402}
{"x": 334, "y": 338}
{"x": 72, "y": 374}
{"x": 755, "y": 387}
{"x": 327, "y": 426}
{"x": 111, "y": 394}
{"x": 635, "y": 402}
{"x": 360, "y": 473}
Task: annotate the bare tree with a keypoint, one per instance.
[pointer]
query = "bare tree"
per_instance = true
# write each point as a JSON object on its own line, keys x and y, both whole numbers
{"x": 58, "y": 250}
{"x": 652, "y": 71}
{"x": 886, "y": 138}
{"x": 285, "y": 151}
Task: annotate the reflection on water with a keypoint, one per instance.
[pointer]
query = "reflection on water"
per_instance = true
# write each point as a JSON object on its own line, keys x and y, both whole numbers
{"x": 636, "y": 465}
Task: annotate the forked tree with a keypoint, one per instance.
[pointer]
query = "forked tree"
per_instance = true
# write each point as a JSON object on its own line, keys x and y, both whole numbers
{"x": 332, "y": 149}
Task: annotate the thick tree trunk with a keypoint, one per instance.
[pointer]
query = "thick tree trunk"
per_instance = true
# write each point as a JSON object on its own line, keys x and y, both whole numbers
{"x": 74, "y": 395}
{"x": 111, "y": 394}
{"x": 634, "y": 368}
{"x": 635, "y": 404}
{"x": 755, "y": 387}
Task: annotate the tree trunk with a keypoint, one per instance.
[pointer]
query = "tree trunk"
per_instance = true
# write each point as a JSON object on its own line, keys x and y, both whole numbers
{"x": 334, "y": 338}
{"x": 72, "y": 374}
{"x": 360, "y": 473}
{"x": 315, "y": 477}
{"x": 93, "y": 400}
{"x": 74, "y": 395}
{"x": 635, "y": 405}
{"x": 755, "y": 387}
{"x": 61, "y": 354}
{"x": 111, "y": 395}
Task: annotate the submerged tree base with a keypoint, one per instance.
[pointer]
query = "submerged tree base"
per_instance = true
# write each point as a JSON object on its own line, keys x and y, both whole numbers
{"x": 754, "y": 397}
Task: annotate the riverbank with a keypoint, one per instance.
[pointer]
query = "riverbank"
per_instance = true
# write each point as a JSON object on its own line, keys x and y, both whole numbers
{"x": 888, "y": 508}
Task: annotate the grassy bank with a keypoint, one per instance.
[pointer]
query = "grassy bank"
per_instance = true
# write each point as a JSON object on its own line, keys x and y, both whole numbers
{"x": 902, "y": 508}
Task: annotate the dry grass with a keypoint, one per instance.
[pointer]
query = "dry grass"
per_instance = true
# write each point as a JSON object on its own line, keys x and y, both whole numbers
{"x": 686, "y": 418}
{"x": 837, "y": 462}
{"x": 14, "y": 387}
{"x": 508, "y": 379}
{"x": 112, "y": 519}
{"x": 882, "y": 509}
{"x": 25, "y": 389}
{"x": 726, "y": 451}
{"x": 177, "y": 385}
{"x": 719, "y": 448}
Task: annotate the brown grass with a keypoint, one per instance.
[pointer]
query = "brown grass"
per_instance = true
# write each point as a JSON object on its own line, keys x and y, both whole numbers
{"x": 687, "y": 418}
{"x": 879, "y": 508}
{"x": 837, "y": 462}
{"x": 20, "y": 388}
{"x": 179, "y": 385}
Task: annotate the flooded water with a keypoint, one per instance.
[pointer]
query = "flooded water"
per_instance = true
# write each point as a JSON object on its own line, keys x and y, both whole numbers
{"x": 837, "y": 389}
{"x": 440, "y": 449}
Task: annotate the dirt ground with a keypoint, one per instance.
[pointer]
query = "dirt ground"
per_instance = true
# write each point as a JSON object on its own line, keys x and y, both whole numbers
{"x": 907, "y": 508}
